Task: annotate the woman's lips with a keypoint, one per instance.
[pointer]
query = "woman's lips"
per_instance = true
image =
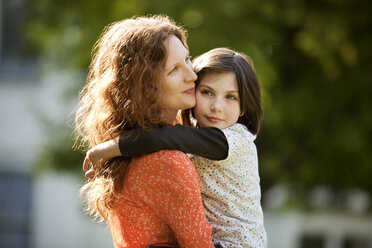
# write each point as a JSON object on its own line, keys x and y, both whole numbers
{"x": 190, "y": 91}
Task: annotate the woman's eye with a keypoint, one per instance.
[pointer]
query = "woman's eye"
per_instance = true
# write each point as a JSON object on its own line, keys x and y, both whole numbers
{"x": 173, "y": 70}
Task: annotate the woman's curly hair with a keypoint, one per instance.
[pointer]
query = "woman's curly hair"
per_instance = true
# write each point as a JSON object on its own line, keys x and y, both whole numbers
{"x": 122, "y": 92}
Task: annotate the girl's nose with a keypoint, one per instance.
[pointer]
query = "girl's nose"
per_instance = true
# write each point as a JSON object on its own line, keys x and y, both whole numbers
{"x": 216, "y": 106}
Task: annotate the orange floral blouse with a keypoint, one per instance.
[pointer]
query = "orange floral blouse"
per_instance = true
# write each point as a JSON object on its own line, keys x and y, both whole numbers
{"x": 161, "y": 204}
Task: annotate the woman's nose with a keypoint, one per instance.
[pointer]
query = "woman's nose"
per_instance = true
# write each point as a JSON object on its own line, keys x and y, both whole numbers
{"x": 190, "y": 75}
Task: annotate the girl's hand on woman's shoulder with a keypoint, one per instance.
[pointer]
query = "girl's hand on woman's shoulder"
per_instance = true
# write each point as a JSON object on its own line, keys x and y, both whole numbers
{"x": 99, "y": 155}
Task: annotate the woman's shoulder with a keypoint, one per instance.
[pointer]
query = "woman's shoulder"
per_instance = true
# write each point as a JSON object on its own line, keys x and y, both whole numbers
{"x": 173, "y": 161}
{"x": 171, "y": 166}
{"x": 168, "y": 156}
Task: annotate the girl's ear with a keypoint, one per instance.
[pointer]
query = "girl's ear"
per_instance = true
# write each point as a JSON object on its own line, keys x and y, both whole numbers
{"x": 241, "y": 114}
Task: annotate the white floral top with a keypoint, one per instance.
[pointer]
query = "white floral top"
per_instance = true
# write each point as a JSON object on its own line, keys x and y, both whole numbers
{"x": 231, "y": 192}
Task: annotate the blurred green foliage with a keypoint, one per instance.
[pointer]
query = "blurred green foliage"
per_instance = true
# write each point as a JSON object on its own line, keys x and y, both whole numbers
{"x": 313, "y": 59}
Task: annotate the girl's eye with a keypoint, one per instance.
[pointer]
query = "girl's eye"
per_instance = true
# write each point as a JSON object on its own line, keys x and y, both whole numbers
{"x": 231, "y": 97}
{"x": 206, "y": 92}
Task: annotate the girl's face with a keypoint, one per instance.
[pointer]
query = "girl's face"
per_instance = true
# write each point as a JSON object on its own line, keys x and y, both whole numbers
{"x": 217, "y": 100}
{"x": 178, "y": 87}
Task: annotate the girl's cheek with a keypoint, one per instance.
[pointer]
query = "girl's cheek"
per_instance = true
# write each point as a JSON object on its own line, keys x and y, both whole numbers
{"x": 198, "y": 97}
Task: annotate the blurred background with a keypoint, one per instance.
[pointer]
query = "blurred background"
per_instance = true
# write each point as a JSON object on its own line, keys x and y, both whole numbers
{"x": 314, "y": 62}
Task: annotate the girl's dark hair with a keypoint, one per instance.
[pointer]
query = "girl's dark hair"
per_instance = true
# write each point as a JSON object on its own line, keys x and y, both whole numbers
{"x": 226, "y": 60}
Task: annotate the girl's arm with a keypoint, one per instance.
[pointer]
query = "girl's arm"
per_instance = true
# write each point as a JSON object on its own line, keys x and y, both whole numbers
{"x": 208, "y": 142}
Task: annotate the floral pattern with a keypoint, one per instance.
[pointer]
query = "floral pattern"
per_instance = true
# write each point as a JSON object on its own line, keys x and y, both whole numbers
{"x": 231, "y": 192}
{"x": 160, "y": 204}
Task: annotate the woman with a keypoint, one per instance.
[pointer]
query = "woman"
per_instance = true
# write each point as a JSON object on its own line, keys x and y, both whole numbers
{"x": 140, "y": 77}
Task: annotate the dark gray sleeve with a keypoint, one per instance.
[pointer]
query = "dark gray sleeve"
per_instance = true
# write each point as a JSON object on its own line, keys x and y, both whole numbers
{"x": 208, "y": 142}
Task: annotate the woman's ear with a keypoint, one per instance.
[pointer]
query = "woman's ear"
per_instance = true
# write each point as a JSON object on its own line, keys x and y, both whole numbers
{"x": 241, "y": 114}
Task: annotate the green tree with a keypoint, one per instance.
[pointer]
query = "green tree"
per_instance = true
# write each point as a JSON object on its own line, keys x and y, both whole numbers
{"x": 313, "y": 58}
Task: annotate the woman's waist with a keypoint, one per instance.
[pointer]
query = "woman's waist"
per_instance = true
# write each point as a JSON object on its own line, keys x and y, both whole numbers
{"x": 133, "y": 228}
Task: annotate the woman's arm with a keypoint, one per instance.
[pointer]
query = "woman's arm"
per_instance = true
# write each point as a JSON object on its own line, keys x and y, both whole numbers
{"x": 207, "y": 142}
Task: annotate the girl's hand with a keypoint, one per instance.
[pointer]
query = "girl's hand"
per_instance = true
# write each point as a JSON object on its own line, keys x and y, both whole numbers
{"x": 90, "y": 174}
{"x": 99, "y": 155}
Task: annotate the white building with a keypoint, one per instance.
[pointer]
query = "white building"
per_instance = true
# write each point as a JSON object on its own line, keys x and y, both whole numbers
{"x": 36, "y": 210}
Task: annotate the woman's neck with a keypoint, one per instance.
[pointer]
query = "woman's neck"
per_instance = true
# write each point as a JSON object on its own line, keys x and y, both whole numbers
{"x": 171, "y": 117}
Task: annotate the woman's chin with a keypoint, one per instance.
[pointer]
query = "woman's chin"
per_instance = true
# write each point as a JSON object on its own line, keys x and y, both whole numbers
{"x": 191, "y": 104}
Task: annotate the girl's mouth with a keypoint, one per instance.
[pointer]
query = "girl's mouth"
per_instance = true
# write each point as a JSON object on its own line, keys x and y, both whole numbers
{"x": 213, "y": 119}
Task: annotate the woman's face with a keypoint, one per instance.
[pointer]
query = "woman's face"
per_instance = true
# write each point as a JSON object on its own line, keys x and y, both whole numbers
{"x": 178, "y": 87}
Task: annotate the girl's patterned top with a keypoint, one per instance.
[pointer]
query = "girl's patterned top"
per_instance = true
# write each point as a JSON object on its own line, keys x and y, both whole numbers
{"x": 231, "y": 192}
{"x": 160, "y": 204}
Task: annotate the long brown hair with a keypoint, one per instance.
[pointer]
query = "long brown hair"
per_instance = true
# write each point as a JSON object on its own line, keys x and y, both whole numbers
{"x": 226, "y": 60}
{"x": 122, "y": 92}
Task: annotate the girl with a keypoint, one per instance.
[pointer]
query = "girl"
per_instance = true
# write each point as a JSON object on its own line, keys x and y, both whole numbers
{"x": 228, "y": 98}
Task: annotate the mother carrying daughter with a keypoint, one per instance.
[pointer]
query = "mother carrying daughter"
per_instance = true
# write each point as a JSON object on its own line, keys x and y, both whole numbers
{"x": 228, "y": 98}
